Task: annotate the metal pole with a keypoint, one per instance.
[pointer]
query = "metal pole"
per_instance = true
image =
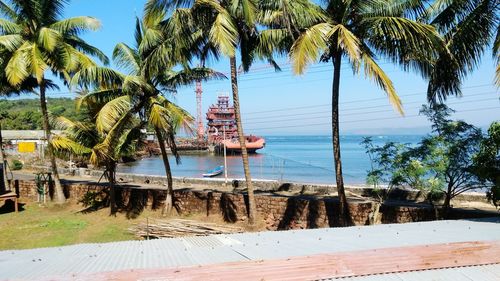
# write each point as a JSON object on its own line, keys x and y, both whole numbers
{"x": 4, "y": 163}
{"x": 225, "y": 160}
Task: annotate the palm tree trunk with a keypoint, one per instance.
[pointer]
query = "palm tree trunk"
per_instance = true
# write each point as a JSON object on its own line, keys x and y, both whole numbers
{"x": 111, "y": 167}
{"x": 252, "y": 212}
{"x": 59, "y": 193}
{"x": 169, "y": 198}
{"x": 344, "y": 208}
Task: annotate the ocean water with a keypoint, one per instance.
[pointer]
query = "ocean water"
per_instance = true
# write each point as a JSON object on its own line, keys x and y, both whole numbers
{"x": 306, "y": 159}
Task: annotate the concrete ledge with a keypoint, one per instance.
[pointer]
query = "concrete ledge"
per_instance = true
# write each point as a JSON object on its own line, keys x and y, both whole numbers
{"x": 268, "y": 185}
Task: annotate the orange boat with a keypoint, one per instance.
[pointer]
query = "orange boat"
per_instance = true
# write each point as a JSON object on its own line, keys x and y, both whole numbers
{"x": 251, "y": 142}
{"x": 222, "y": 129}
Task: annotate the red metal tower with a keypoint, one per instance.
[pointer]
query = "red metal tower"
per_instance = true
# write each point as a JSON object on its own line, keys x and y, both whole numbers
{"x": 199, "y": 119}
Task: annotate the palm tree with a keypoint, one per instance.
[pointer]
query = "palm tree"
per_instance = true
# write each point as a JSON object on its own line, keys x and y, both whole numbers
{"x": 229, "y": 26}
{"x": 142, "y": 91}
{"x": 82, "y": 138}
{"x": 359, "y": 31}
{"x": 37, "y": 40}
{"x": 468, "y": 28}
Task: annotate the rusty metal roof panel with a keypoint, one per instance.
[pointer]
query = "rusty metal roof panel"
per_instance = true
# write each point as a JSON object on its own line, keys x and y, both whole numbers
{"x": 281, "y": 244}
{"x": 479, "y": 273}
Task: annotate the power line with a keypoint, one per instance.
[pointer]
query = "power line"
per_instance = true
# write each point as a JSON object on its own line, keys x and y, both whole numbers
{"x": 364, "y": 120}
{"x": 347, "y": 114}
{"x": 350, "y": 102}
{"x": 359, "y": 108}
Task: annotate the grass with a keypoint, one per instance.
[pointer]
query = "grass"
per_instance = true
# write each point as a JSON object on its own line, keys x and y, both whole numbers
{"x": 37, "y": 226}
{"x": 59, "y": 225}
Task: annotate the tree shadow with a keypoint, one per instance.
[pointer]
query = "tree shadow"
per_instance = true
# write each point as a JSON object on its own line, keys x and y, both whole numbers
{"x": 312, "y": 213}
{"x": 228, "y": 208}
{"x": 137, "y": 202}
{"x": 158, "y": 197}
{"x": 94, "y": 200}
{"x": 332, "y": 212}
{"x": 294, "y": 210}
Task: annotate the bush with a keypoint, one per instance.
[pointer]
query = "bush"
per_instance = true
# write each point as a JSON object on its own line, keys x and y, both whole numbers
{"x": 442, "y": 164}
{"x": 17, "y": 165}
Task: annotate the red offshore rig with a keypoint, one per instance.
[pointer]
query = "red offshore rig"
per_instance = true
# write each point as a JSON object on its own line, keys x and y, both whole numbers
{"x": 222, "y": 129}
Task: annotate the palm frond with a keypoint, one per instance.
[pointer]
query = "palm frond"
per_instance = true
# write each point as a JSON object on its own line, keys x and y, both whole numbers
{"x": 17, "y": 66}
{"x": 64, "y": 144}
{"x": 346, "y": 41}
{"x": 36, "y": 62}
{"x": 11, "y": 42}
{"x": 245, "y": 10}
{"x": 112, "y": 112}
{"x": 174, "y": 79}
{"x": 399, "y": 39}
{"x": 472, "y": 35}
{"x": 410, "y": 9}
{"x": 76, "y": 25}
{"x": 127, "y": 58}
{"x": 97, "y": 77}
{"x": 274, "y": 40}
{"x": 159, "y": 116}
{"x": 224, "y": 34}
{"x": 153, "y": 7}
{"x": 97, "y": 98}
{"x": 308, "y": 46}
{"x": 86, "y": 48}
{"x": 48, "y": 38}
{"x": 377, "y": 74}
{"x": 9, "y": 27}
{"x": 7, "y": 11}
{"x": 138, "y": 32}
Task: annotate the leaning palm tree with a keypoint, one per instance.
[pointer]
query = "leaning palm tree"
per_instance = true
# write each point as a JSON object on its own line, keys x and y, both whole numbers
{"x": 359, "y": 31}
{"x": 229, "y": 26}
{"x": 144, "y": 89}
{"x": 39, "y": 41}
{"x": 468, "y": 28}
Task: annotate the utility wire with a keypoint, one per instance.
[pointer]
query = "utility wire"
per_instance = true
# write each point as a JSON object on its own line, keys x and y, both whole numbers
{"x": 348, "y": 114}
{"x": 365, "y": 107}
{"x": 350, "y": 102}
{"x": 363, "y": 120}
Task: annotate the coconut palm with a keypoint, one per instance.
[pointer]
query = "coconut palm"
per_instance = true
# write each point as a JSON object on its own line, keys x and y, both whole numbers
{"x": 229, "y": 26}
{"x": 468, "y": 27}
{"x": 82, "y": 138}
{"x": 38, "y": 40}
{"x": 359, "y": 31}
{"x": 143, "y": 91}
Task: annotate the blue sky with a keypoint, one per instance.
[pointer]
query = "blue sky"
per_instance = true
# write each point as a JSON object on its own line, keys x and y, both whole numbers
{"x": 281, "y": 103}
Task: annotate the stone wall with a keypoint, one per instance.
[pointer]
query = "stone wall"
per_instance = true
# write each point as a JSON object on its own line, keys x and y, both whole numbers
{"x": 269, "y": 185}
{"x": 277, "y": 212}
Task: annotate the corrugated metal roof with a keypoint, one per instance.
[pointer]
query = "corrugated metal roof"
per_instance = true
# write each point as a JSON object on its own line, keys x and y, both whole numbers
{"x": 480, "y": 273}
{"x": 25, "y": 134}
{"x": 192, "y": 251}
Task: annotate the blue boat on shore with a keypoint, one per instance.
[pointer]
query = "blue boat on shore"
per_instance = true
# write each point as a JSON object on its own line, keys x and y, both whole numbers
{"x": 215, "y": 172}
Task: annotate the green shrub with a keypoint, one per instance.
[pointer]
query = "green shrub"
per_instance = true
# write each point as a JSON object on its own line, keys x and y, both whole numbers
{"x": 17, "y": 165}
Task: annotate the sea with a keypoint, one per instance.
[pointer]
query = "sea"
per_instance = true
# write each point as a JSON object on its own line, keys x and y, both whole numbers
{"x": 305, "y": 159}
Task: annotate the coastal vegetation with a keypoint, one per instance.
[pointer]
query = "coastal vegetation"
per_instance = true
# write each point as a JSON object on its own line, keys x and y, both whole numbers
{"x": 36, "y": 40}
{"x": 444, "y": 164}
{"x": 443, "y": 41}
{"x": 25, "y": 114}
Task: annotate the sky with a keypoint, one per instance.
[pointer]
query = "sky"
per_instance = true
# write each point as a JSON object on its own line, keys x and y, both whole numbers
{"x": 282, "y": 103}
